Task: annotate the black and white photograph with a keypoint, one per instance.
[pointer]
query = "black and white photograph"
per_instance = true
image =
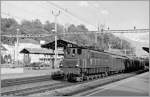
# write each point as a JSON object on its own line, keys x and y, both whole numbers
{"x": 74, "y": 48}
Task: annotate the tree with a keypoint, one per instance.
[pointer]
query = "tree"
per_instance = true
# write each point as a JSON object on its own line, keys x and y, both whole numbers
{"x": 48, "y": 26}
{"x": 81, "y": 28}
{"x": 72, "y": 28}
{"x": 37, "y": 24}
{"x": 26, "y": 24}
{"x": 8, "y": 26}
{"x": 7, "y": 23}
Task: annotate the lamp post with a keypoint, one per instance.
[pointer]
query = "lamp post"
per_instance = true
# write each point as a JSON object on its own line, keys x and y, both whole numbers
{"x": 17, "y": 45}
{"x": 56, "y": 52}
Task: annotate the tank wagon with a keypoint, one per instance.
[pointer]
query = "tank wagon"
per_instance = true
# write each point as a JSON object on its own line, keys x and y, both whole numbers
{"x": 82, "y": 63}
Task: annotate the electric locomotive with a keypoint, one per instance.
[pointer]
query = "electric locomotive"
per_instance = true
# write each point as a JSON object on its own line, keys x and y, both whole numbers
{"x": 86, "y": 63}
{"x": 83, "y": 63}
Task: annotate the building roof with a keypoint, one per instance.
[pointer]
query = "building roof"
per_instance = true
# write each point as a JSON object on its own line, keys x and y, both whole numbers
{"x": 28, "y": 41}
{"x": 60, "y": 43}
{"x": 146, "y": 49}
{"x": 39, "y": 51}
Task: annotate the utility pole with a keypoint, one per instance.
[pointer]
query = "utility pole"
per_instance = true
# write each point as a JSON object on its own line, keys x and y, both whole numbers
{"x": 121, "y": 45}
{"x": 101, "y": 30}
{"x": 56, "y": 52}
{"x": 109, "y": 46}
{"x": 96, "y": 34}
{"x": 17, "y": 46}
{"x": 125, "y": 51}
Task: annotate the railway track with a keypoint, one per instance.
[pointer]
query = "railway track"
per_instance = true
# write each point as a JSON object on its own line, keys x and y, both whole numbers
{"x": 19, "y": 81}
{"x": 33, "y": 90}
{"x": 39, "y": 89}
{"x": 88, "y": 85}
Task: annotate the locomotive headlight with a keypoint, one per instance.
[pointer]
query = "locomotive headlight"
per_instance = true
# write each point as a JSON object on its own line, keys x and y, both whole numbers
{"x": 73, "y": 55}
{"x": 77, "y": 65}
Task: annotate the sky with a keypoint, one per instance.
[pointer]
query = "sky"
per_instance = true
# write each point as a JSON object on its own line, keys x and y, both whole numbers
{"x": 115, "y": 14}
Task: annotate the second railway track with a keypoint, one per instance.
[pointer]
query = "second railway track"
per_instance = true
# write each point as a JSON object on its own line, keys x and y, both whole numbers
{"x": 37, "y": 89}
{"x": 19, "y": 81}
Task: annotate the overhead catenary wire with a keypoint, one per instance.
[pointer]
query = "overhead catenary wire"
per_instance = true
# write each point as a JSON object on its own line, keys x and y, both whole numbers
{"x": 70, "y": 13}
{"x": 87, "y": 32}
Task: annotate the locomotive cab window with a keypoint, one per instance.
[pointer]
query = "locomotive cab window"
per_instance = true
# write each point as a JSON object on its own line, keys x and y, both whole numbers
{"x": 73, "y": 51}
{"x": 79, "y": 51}
{"x": 68, "y": 51}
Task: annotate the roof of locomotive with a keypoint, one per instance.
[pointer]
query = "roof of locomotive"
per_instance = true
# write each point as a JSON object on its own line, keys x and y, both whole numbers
{"x": 102, "y": 51}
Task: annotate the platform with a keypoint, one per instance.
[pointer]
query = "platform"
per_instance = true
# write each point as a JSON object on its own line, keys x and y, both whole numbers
{"x": 133, "y": 86}
{"x": 27, "y": 73}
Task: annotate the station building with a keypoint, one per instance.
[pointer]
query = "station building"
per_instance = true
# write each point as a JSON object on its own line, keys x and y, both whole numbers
{"x": 40, "y": 55}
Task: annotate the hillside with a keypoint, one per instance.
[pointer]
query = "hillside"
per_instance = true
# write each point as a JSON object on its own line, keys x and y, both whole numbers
{"x": 9, "y": 26}
{"x": 137, "y": 45}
